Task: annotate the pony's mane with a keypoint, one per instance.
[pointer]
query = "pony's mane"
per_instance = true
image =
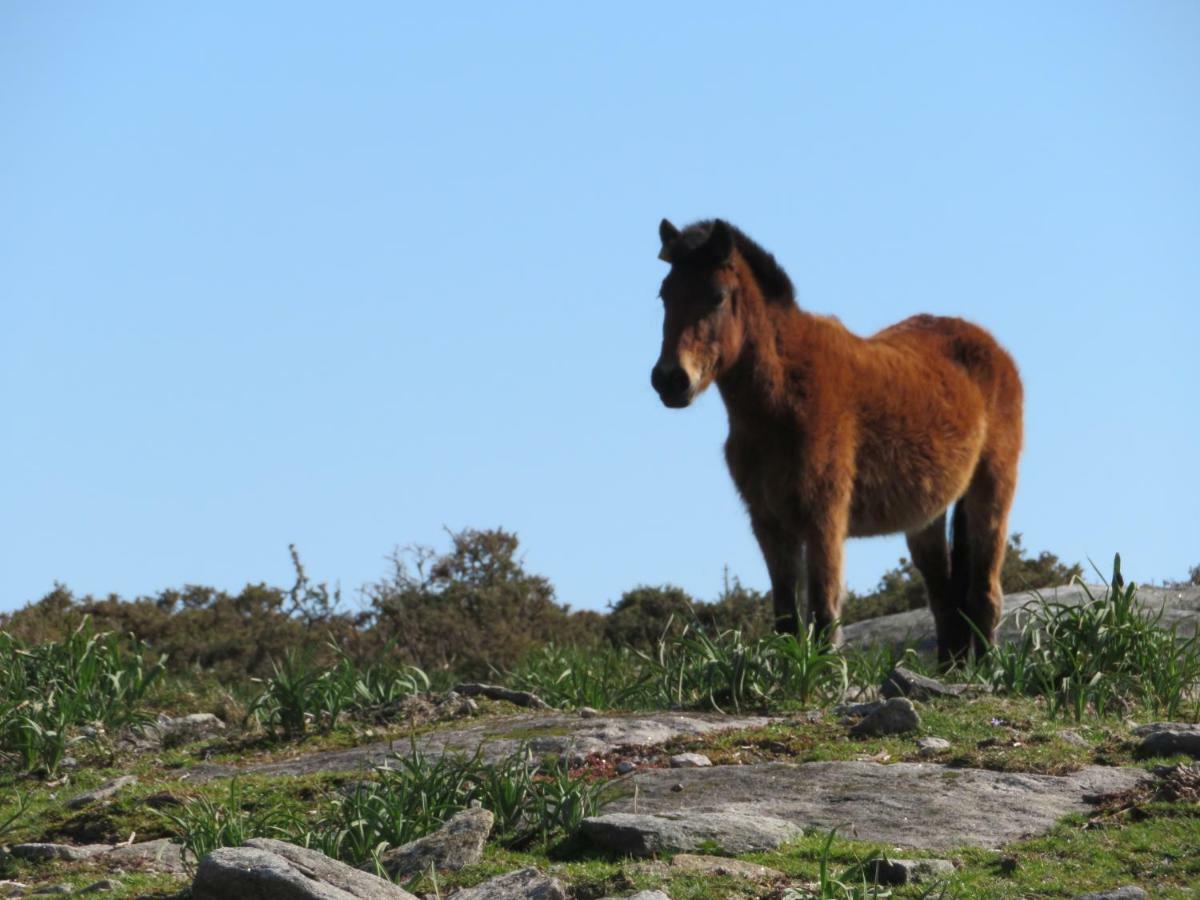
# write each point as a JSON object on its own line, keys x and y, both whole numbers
{"x": 772, "y": 280}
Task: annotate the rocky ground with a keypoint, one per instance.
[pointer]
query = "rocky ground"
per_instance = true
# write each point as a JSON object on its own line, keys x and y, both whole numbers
{"x": 928, "y": 788}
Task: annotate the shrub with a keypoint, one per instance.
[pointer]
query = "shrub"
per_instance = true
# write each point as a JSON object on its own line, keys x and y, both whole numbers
{"x": 467, "y": 611}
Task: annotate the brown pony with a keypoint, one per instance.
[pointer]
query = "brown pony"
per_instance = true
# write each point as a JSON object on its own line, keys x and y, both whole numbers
{"x": 832, "y": 435}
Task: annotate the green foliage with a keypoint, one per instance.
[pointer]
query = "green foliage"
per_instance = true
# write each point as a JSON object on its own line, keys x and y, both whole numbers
{"x": 727, "y": 670}
{"x": 1102, "y": 654}
{"x": 409, "y": 797}
{"x": 11, "y": 819}
{"x": 603, "y": 677}
{"x": 206, "y": 823}
{"x": 693, "y": 668}
{"x": 48, "y": 690}
{"x": 298, "y": 692}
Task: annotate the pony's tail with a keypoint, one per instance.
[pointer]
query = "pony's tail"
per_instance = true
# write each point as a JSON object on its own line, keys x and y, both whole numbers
{"x": 960, "y": 557}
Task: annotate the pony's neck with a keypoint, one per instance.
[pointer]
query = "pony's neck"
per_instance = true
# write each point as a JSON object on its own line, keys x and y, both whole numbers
{"x": 756, "y": 382}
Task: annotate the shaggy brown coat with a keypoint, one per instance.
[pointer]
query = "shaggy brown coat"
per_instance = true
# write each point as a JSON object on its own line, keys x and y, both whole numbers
{"x": 832, "y": 435}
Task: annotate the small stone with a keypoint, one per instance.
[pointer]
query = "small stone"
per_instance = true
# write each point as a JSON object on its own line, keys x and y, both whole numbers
{"x": 690, "y": 761}
{"x": 586, "y": 712}
{"x": 1169, "y": 738}
{"x": 47, "y": 852}
{"x": 676, "y": 787}
{"x": 858, "y": 710}
{"x": 99, "y": 887}
{"x": 624, "y": 767}
{"x": 896, "y": 716}
{"x": 908, "y": 871}
{"x": 68, "y": 762}
{"x": 103, "y": 792}
{"x": 1071, "y": 736}
{"x": 265, "y": 867}
{"x": 51, "y": 889}
{"x": 932, "y": 746}
{"x": 524, "y": 884}
{"x": 902, "y": 682}
{"x": 1128, "y": 892}
{"x": 457, "y": 844}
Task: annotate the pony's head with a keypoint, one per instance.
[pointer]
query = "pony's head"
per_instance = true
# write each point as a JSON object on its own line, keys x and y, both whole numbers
{"x": 702, "y": 328}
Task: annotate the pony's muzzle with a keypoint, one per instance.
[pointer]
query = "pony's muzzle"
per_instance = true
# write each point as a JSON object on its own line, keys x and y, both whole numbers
{"x": 673, "y": 385}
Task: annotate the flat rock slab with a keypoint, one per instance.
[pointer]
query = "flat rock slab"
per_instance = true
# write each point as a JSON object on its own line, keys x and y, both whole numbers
{"x": 733, "y": 831}
{"x": 103, "y": 792}
{"x": 1169, "y": 738}
{"x": 160, "y": 855}
{"x": 1178, "y": 606}
{"x": 523, "y": 884}
{"x": 916, "y": 805}
{"x": 499, "y": 738}
{"x": 267, "y": 869}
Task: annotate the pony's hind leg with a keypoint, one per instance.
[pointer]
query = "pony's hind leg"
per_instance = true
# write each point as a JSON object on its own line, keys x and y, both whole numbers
{"x": 986, "y": 505}
{"x": 931, "y": 556}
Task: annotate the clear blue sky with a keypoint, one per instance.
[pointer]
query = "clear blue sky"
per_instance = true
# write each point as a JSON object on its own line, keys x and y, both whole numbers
{"x": 344, "y": 274}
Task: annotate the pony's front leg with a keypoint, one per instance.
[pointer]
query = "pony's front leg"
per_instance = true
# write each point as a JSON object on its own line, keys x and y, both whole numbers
{"x": 825, "y": 546}
{"x": 784, "y": 556}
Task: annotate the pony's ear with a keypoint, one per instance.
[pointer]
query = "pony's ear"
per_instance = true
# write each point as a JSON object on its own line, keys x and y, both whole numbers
{"x": 668, "y": 234}
{"x": 719, "y": 246}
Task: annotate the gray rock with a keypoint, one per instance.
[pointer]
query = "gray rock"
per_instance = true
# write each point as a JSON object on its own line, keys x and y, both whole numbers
{"x": 918, "y": 805}
{"x": 908, "y": 871}
{"x": 690, "y": 761}
{"x": 586, "y": 712}
{"x": 106, "y": 790}
{"x": 457, "y": 844}
{"x": 902, "y": 682}
{"x": 1155, "y": 727}
{"x": 1169, "y": 738}
{"x": 496, "y": 692}
{"x": 1071, "y": 736}
{"x": 168, "y": 731}
{"x": 896, "y": 716}
{"x": 47, "y": 852}
{"x": 274, "y": 870}
{"x": 102, "y": 886}
{"x": 932, "y": 746}
{"x": 524, "y": 884}
{"x": 624, "y": 767}
{"x": 53, "y": 889}
{"x": 557, "y": 734}
{"x": 645, "y": 835}
{"x": 161, "y": 855}
{"x": 1128, "y": 892}
{"x": 857, "y": 710}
